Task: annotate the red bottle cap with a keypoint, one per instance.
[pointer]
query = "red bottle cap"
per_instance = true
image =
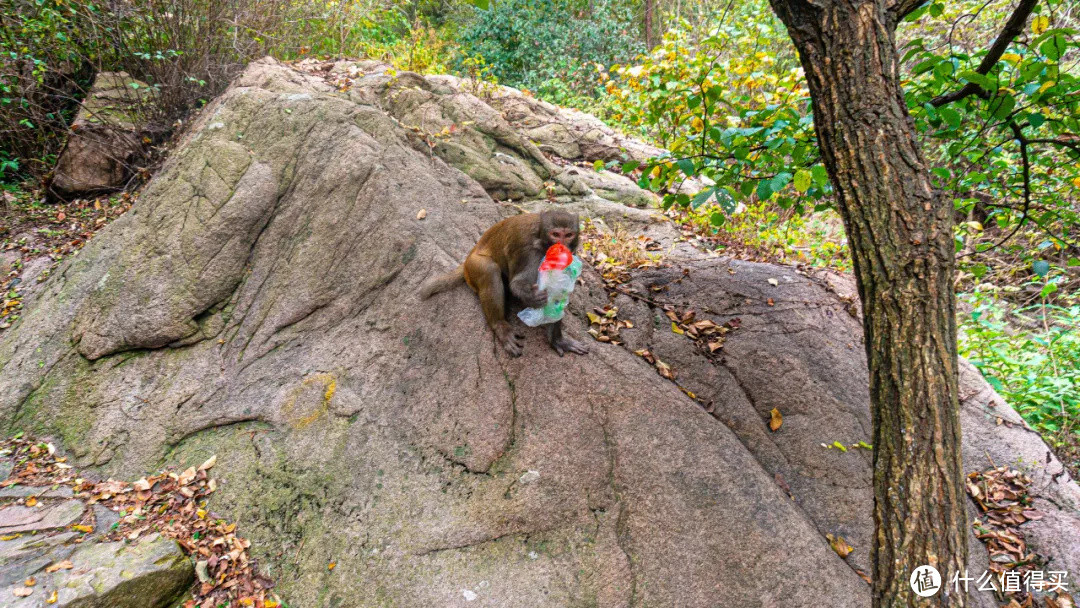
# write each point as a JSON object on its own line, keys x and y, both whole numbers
{"x": 557, "y": 258}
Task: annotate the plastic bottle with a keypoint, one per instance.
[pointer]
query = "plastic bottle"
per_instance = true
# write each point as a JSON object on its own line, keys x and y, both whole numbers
{"x": 558, "y": 273}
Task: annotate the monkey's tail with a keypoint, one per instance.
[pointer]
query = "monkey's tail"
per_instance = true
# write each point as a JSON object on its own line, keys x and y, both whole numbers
{"x": 442, "y": 282}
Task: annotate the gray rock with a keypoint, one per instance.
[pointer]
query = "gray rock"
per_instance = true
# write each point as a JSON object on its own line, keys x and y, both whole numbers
{"x": 18, "y": 491}
{"x": 148, "y": 573}
{"x": 18, "y": 518}
{"x": 21, "y": 557}
{"x": 106, "y": 140}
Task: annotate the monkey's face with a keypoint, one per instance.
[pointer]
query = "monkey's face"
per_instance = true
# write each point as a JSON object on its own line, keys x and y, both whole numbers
{"x": 566, "y": 236}
{"x": 559, "y": 227}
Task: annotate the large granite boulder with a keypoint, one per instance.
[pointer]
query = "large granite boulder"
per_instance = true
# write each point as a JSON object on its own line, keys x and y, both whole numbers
{"x": 259, "y": 303}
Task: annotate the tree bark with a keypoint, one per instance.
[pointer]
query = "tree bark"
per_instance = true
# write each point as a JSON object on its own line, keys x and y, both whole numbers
{"x": 650, "y": 36}
{"x": 900, "y": 234}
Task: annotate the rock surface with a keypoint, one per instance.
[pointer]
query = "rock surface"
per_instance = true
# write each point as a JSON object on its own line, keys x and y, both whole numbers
{"x": 258, "y": 303}
{"x": 150, "y": 572}
{"x": 107, "y": 136}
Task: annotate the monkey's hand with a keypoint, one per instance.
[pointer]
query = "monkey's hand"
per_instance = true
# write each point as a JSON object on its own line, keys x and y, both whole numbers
{"x": 532, "y": 296}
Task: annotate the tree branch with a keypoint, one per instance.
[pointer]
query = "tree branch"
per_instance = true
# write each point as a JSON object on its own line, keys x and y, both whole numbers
{"x": 902, "y": 9}
{"x": 1013, "y": 27}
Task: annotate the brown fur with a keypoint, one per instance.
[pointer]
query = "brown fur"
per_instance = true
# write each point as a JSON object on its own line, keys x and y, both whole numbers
{"x": 505, "y": 262}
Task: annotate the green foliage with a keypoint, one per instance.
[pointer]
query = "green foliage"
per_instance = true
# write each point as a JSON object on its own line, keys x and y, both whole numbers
{"x": 550, "y": 47}
{"x": 732, "y": 108}
{"x": 1010, "y": 146}
{"x": 1037, "y": 370}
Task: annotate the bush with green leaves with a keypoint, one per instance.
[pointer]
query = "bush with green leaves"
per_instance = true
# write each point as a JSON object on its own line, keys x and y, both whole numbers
{"x": 550, "y": 47}
{"x": 188, "y": 50}
{"x": 1030, "y": 355}
{"x": 1000, "y": 125}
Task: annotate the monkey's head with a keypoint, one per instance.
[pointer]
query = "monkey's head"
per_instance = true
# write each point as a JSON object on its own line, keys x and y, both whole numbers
{"x": 559, "y": 227}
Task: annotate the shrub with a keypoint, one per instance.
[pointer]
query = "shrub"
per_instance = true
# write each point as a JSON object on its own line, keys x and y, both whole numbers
{"x": 550, "y": 46}
{"x": 1030, "y": 355}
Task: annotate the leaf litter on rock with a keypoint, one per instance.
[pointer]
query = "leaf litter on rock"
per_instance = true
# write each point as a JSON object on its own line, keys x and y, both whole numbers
{"x": 174, "y": 505}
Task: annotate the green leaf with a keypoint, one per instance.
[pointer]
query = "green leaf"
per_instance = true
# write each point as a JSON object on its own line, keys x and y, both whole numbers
{"x": 1036, "y": 120}
{"x": 979, "y": 79}
{"x": 686, "y": 166}
{"x": 1048, "y": 289}
{"x": 950, "y": 116}
{"x": 700, "y": 198}
{"x": 802, "y": 180}
{"x": 1073, "y": 262}
{"x": 979, "y": 270}
{"x": 821, "y": 175}
{"x": 1002, "y": 105}
{"x": 1053, "y": 47}
{"x": 764, "y": 189}
{"x": 1041, "y": 268}
{"x": 630, "y": 165}
{"x": 598, "y": 165}
{"x": 779, "y": 181}
{"x": 717, "y": 219}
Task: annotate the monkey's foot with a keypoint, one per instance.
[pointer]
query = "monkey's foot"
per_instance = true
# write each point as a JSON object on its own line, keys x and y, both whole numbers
{"x": 512, "y": 341}
{"x": 569, "y": 345}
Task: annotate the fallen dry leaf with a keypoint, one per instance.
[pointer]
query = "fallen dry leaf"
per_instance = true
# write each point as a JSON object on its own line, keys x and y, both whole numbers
{"x": 30, "y": 582}
{"x": 64, "y": 565}
{"x": 52, "y": 598}
{"x": 421, "y": 214}
{"x": 775, "y": 420}
{"x": 209, "y": 464}
{"x": 838, "y": 544}
{"x": 21, "y": 591}
{"x": 31, "y": 502}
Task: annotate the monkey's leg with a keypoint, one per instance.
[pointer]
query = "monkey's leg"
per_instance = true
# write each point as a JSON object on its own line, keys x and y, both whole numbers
{"x": 563, "y": 344}
{"x": 484, "y": 276}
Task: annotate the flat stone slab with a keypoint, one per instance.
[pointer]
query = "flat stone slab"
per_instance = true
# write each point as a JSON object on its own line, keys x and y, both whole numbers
{"x": 21, "y": 557}
{"x": 18, "y": 518}
{"x": 38, "y": 491}
{"x": 149, "y": 573}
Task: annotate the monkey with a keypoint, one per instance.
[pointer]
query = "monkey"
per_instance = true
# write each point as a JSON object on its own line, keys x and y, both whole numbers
{"x": 507, "y": 259}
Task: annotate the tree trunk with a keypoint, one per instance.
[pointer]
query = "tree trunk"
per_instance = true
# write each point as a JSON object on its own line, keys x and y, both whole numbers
{"x": 650, "y": 36}
{"x": 900, "y": 233}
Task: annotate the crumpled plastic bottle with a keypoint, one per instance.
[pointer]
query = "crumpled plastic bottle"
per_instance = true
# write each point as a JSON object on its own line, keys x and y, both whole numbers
{"x": 558, "y": 273}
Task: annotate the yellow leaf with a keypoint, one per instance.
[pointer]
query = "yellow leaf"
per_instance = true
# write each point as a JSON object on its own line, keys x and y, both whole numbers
{"x": 775, "y": 420}
{"x": 52, "y": 598}
{"x": 675, "y": 328}
{"x": 697, "y": 124}
{"x": 209, "y": 464}
{"x": 1039, "y": 24}
{"x": 81, "y": 528}
{"x": 838, "y": 544}
{"x": 32, "y": 501}
{"x": 64, "y": 565}
{"x": 331, "y": 565}
{"x": 1012, "y": 58}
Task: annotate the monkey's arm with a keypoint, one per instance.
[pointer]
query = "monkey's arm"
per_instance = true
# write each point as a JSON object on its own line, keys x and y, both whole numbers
{"x": 523, "y": 283}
